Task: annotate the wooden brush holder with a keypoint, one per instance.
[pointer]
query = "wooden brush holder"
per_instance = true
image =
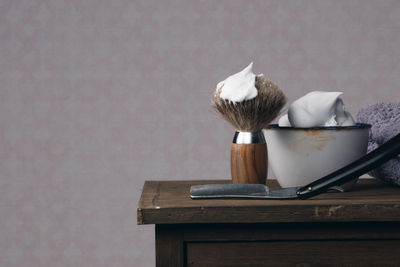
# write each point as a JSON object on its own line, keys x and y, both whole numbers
{"x": 249, "y": 158}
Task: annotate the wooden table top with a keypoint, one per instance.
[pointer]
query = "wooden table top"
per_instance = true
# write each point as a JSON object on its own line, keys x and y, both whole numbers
{"x": 169, "y": 202}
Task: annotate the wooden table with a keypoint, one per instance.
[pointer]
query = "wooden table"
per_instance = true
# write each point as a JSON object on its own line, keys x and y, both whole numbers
{"x": 357, "y": 228}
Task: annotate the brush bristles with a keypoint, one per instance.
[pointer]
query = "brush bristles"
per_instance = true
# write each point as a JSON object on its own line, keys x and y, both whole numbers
{"x": 254, "y": 114}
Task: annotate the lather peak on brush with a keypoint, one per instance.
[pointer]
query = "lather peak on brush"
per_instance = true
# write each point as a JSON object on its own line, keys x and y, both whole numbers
{"x": 247, "y": 101}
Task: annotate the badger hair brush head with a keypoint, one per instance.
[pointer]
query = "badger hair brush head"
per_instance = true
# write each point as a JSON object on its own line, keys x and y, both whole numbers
{"x": 254, "y": 114}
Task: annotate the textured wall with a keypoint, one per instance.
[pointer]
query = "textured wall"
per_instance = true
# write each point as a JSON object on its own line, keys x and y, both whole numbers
{"x": 97, "y": 96}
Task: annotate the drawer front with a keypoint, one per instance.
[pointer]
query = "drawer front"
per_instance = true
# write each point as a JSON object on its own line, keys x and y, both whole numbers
{"x": 294, "y": 253}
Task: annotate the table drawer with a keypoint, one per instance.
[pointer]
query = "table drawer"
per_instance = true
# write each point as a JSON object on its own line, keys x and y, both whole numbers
{"x": 295, "y": 253}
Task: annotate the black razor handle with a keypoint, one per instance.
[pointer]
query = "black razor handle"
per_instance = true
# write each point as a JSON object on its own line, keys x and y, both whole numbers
{"x": 375, "y": 158}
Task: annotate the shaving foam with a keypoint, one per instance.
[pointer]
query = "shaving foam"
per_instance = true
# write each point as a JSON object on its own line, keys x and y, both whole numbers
{"x": 315, "y": 109}
{"x": 239, "y": 87}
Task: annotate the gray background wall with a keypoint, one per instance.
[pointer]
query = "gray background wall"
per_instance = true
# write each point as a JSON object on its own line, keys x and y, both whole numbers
{"x": 97, "y": 96}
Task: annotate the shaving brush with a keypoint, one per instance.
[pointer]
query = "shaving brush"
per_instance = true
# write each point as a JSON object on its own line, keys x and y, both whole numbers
{"x": 249, "y": 150}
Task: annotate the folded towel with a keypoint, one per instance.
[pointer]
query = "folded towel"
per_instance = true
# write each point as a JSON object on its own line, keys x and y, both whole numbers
{"x": 385, "y": 121}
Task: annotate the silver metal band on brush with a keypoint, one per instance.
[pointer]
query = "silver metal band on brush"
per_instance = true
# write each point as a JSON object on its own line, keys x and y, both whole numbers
{"x": 249, "y": 138}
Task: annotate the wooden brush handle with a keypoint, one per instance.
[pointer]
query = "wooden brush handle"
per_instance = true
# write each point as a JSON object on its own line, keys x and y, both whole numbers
{"x": 249, "y": 163}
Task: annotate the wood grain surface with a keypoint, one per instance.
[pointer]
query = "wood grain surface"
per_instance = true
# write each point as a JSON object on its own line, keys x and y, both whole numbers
{"x": 169, "y": 202}
{"x": 279, "y": 244}
{"x": 169, "y": 246}
{"x": 249, "y": 163}
{"x": 295, "y": 253}
{"x": 290, "y": 231}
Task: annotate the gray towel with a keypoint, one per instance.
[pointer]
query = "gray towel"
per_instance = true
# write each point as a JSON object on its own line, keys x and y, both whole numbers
{"x": 385, "y": 121}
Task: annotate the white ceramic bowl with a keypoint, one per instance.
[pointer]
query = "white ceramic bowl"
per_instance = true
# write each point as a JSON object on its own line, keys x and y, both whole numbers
{"x": 298, "y": 156}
